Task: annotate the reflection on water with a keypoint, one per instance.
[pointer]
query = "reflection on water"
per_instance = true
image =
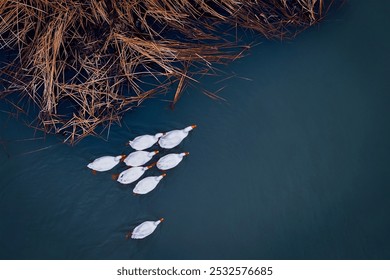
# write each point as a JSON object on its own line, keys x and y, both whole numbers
{"x": 293, "y": 165}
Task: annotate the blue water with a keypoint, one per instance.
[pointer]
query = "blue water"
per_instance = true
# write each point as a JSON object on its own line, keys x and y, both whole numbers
{"x": 293, "y": 165}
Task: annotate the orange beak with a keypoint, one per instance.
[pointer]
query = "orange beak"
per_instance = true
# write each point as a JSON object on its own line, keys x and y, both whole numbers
{"x": 156, "y": 152}
{"x": 164, "y": 174}
{"x": 194, "y": 126}
{"x": 186, "y": 153}
{"x": 153, "y": 164}
{"x": 123, "y": 157}
{"x": 162, "y": 220}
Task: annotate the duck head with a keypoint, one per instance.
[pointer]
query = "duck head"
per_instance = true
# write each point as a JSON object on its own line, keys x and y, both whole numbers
{"x": 153, "y": 153}
{"x": 184, "y": 154}
{"x": 150, "y": 166}
{"x": 189, "y": 128}
{"x": 120, "y": 158}
{"x": 158, "y": 135}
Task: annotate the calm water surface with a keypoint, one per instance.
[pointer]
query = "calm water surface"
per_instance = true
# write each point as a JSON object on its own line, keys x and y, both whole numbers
{"x": 294, "y": 165}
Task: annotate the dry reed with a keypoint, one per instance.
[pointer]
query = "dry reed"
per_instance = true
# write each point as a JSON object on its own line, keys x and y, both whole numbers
{"x": 84, "y": 63}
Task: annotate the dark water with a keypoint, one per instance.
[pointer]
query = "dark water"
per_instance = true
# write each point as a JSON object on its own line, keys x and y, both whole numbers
{"x": 294, "y": 165}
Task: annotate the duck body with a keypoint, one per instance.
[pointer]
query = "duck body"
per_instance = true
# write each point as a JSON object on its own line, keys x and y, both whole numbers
{"x": 144, "y": 142}
{"x": 145, "y": 229}
{"x": 139, "y": 158}
{"x": 170, "y": 161}
{"x": 173, "y": 138}
{"x": 105, "y": 163}
{"x": 147, "y": 184}
{"x": 132, "y": 174}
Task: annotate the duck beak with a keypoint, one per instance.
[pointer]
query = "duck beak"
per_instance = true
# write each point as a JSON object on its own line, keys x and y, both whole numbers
{"x": 153, "y": 164}
{"x": 186, "y": 153}
{"x": 164, "y": 174}
{"x": 162, "y": 220}
{"x": 123, "y": 158}
{"x": 156, "y": 152}
{"x": 194, "y": 126}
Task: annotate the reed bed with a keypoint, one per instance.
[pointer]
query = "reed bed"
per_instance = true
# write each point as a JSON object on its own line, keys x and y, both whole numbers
{"x": 82, "y": 64}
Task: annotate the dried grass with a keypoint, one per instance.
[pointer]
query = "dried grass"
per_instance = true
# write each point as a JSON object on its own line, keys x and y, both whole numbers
{"x": 84, "y": 63}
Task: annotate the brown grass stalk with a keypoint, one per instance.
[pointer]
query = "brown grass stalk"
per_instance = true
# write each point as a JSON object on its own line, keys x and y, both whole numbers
{"x": 84, "y": 63}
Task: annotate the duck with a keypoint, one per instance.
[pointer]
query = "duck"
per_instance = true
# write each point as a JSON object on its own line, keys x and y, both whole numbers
{"x": 105, "y": 163}
{"x": 173, "y": 138}
{"x": 147, "y": 184}
{"x": 139, "y": 158}
{"x": 132, "y": 174}
{"x": 143, "y": 230}
{"x": 170, "y": 161}
{"x": 144, "y": 142}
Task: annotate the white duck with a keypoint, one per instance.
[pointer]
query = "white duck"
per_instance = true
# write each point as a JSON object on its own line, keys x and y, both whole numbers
{"x": 139, "y": 158}
{"x": 132, "y": 174}
{"x": 105, "y": 163}
{"x": 170, "y": 161}
{"x": 147, "y": 184}
{"x": 143, "y": 230}
{"x": 144, "y": 142}
{"x": 173, "y": 138}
